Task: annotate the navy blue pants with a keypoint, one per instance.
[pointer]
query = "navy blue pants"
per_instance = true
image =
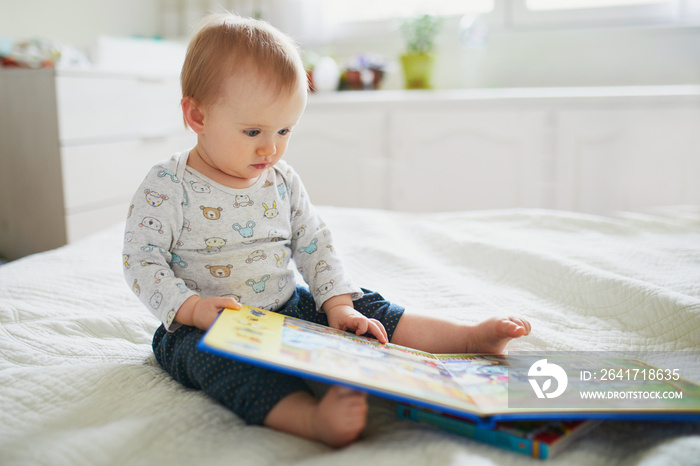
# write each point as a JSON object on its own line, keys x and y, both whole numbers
{"x": 249, "y": 391}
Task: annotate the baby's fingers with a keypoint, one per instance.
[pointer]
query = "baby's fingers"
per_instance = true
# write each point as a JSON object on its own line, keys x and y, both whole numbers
{"x": 361, "y": 325}
{"x": 227, "y": 302}
{"x": 377, "y": 329}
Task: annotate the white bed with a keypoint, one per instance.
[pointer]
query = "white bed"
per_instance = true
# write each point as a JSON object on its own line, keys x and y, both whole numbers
{"x": 79, "y": 384}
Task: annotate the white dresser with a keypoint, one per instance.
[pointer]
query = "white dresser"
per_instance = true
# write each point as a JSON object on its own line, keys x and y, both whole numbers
{"x": 594, "y": 150}
{"x": 74, "y": 147}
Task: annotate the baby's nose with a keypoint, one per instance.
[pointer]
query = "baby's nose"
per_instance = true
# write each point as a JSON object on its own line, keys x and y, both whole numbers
{"x": 266, "y": 150}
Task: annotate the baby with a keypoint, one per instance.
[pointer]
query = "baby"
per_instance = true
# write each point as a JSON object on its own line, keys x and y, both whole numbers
{"x": 219, "y": 225}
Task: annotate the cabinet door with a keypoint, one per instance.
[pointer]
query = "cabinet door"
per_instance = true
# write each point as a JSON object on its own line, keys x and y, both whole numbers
{"x": 628, "y": 159}
{"x": 341, "y": 157}
{"x": 117, "y": 107}
{"x": 90, "y": 108}
{"x": 99, "y": 180}
{"x": 461, "y": 160}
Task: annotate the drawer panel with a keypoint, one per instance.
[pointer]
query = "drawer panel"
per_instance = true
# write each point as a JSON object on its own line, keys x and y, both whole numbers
{"x": 100, "y": 175}
{"x": 91, "y": 108}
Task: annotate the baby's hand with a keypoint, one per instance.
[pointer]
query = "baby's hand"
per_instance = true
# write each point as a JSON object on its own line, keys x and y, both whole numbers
{"x": 344, "y": 317}
{"x": 202, "y": 312}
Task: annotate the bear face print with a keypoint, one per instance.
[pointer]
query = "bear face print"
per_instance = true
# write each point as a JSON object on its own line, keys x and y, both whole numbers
{"x": 155, "y": 199}
{"x": 211, "y": 213}
{"x": 219, "y": 271}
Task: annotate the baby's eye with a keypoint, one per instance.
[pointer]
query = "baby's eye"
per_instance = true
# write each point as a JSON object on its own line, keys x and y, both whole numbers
{"x": 251, "y": 132}
{"x": 283, "y": 132}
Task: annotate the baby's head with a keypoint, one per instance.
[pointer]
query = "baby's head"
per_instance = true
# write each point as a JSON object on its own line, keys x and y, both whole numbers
{"x": 227, "y": 45}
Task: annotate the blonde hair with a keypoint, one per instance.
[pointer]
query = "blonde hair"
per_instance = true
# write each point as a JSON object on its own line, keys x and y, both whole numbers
{"x": 227, "y": 44}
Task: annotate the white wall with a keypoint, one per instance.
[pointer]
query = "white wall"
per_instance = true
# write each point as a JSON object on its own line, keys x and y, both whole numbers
{"x": 78, "y": 22}
{"x": 512, "y": 58}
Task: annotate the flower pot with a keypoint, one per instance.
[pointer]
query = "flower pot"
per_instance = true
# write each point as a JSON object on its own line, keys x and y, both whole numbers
{"x": 418, "y": 70}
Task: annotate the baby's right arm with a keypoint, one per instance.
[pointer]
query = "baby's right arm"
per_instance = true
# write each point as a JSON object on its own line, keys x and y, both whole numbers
{"x": 153, "y": 227}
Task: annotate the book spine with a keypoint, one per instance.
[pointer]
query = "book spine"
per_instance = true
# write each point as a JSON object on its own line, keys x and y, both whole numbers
{"x": 492, "y": 437}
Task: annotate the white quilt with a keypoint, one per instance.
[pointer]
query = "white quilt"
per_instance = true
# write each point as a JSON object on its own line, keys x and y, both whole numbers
{"x": 79, "y": 384}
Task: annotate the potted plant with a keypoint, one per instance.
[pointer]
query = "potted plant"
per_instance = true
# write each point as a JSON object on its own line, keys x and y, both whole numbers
{"x": 419, "y": 33}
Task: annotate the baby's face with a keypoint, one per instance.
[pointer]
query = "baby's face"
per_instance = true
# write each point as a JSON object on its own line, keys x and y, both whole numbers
{"x": 247, "y": 130}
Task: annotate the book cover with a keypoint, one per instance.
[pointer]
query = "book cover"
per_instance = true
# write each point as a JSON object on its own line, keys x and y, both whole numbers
{"x": 538, "y": 439}
{"x": 483, "y": 388}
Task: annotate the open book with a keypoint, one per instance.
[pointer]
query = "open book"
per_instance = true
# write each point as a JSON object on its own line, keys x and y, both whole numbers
{"x": 483, "y": 388}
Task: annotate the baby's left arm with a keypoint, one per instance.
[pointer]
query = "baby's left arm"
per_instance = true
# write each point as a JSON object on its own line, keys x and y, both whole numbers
{"x": 313, "y": 248}
{"x": 343, "y": 316}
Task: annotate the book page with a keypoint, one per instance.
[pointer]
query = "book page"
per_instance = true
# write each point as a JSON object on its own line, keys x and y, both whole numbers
{"x": 310, "y": 350}
{"x": 481, "y": 377}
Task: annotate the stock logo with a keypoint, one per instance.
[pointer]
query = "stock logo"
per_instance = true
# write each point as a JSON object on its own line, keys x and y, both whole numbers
{"x": 543, "y": 369}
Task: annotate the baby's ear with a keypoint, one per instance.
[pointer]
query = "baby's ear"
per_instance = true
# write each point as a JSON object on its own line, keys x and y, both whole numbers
{"x": 193, "y": 114}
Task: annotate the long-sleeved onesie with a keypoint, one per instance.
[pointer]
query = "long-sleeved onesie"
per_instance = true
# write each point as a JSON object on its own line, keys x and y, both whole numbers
{"x": 188, "y": 235}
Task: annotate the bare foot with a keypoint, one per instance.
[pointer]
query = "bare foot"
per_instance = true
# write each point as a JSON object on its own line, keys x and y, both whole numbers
{"x": 340, "y": 416}
{"x": 492, "y": 335}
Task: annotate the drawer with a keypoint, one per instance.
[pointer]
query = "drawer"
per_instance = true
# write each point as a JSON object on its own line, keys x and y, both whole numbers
{"x": 90, "y": 108}
{"x": 111, "y": 107}
{"x": 100, "y": 175}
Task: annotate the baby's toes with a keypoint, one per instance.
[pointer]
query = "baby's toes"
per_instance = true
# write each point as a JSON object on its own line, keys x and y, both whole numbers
{"x": 514, "y": 327}
{"x": 523, "y": 323}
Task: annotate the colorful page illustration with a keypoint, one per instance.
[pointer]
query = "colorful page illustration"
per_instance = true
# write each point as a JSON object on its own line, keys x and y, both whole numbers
{"x": 308, "y": 349}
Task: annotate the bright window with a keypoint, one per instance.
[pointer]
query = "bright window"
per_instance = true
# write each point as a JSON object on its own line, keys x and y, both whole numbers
{"x": 374, "y": 10}
{"x": 542, "y": 5}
